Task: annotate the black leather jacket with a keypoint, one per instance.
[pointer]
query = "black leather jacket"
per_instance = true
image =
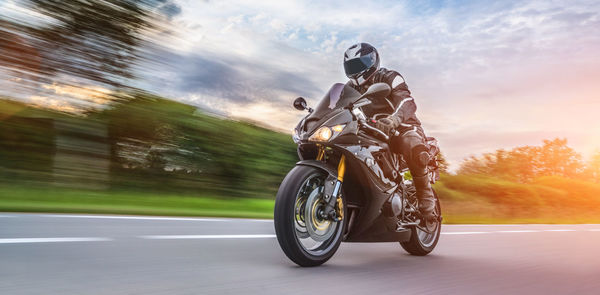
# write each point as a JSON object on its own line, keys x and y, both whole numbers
{"x": 400, "y": 103}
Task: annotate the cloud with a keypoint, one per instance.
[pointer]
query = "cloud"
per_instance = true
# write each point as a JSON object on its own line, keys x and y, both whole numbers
{"x": 231, "y": 78}
{"x": 170, "y": 9}
{"x": 517, "y": 71}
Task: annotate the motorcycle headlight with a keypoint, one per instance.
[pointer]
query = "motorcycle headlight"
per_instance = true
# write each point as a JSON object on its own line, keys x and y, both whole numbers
{"x": 325, "y": 133}
{"x": 322, "y": 134}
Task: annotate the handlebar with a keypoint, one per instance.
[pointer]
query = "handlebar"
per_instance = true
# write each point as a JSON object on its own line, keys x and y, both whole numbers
{"x": 375, "y": 131}
{"x": 362, "y": 121}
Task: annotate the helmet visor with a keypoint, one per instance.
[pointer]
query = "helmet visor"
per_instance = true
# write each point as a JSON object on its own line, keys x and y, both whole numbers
{"x": 356, "y": 66}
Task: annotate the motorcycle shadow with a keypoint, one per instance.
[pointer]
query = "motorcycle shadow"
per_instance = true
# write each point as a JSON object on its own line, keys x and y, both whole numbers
{"x": 351, "y": 259}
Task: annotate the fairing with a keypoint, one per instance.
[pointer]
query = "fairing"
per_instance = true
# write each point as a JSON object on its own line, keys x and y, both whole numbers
{"x": 332, "y": 104}
{"x": 371, "y": 174}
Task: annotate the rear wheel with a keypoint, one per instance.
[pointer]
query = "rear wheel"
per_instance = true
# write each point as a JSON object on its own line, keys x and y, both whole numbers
{"x": 422, "y": 242}
{"x": 305, "y": 237}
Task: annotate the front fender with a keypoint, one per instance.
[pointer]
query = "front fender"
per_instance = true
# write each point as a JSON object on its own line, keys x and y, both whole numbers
{"x": 331, "y": 177}
{"x": 320, "y": 165}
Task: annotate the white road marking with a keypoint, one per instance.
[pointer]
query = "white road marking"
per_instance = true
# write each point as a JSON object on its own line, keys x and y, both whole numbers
{"x": 216, "y": 219}
{"x": 153, "y": 218}
{"x": 518, "y": 231}
{"x": 485, "y": 225}
{"x": 466, "y": 233}
{"x": 520, "y": 224}
{"x": 51, "y": 240}
{"x": 177, "y": 237}
{"x": 493, "y": 228}
{"x": 512, "y": 231}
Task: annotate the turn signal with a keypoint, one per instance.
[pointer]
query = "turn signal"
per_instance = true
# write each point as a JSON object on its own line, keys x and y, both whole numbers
{"x": 338, "y": 128}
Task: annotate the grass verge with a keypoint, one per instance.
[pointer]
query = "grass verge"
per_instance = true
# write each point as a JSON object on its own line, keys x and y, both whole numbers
{"x": 460, "y": 209}
{"x": 18, "y": 199}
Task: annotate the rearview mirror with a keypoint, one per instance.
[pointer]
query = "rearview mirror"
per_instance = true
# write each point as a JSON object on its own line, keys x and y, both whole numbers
{"x": 300, "y": 104}
{"x": 378, "y": 91}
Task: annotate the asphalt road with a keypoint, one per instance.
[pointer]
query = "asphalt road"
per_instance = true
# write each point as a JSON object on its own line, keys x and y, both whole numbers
{"x": 100, "y": 254}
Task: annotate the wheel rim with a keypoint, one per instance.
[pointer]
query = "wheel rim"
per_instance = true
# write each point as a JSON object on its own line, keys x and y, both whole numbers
{"x": 315, "y": 235}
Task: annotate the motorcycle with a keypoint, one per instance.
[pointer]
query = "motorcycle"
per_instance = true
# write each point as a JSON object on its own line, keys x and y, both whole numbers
{"x": 348, "y": 186}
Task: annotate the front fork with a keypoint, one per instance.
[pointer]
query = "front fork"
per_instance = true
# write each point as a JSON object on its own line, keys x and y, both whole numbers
{"x": 334, "y": 210}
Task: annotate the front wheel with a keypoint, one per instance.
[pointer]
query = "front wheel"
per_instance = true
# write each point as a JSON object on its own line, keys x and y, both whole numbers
{"x": 421, "y": 242}
{"x": 305, "y": 237}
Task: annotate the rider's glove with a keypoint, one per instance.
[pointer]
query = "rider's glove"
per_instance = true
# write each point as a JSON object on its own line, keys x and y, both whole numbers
{"x": 388, "y": 124}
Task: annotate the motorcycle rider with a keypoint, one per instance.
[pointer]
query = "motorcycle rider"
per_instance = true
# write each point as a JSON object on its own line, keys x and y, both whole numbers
{"x": 361, "y": 64}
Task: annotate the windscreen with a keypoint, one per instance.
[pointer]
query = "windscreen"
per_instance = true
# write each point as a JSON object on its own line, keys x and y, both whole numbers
{"x": 338, "y": 96}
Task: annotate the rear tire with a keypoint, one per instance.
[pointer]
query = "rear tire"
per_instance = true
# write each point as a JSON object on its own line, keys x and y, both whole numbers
{"x": 286, "y": 227}
{"x": 420, "y": 244}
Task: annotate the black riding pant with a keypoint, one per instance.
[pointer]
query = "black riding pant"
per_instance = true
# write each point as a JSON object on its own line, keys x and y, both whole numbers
{"x": 411, "y": 143}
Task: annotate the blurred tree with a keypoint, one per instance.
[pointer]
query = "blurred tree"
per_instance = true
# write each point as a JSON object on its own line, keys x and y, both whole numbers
{"x": 140, "y": 123}
{"x": 156, "y": 161}
{"x": 26, "y": 148}
{"x": 95, "y": 40}
{"x": 556, "y": 158}
{"x": 16, "y": 55}
{"x": 523, "y": 164}
{"x": 502, "y": 164}
{"x": 98, "y": 41}
{"x": 153, "y": 138}
{"x": 442, "y": 163}
{"x": 478, "y": 165}
{"x": 592, "y": 170}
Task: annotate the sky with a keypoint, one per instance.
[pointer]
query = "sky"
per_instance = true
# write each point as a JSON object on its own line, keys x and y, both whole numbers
{"x": 485, "y": 75}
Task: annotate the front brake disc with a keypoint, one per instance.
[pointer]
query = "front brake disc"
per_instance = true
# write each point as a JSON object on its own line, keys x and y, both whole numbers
{"x": 319, "y": 229}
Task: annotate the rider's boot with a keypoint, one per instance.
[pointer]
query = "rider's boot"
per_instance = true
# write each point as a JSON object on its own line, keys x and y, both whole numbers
{"x": 426, "y": 201}
{"x": 416, "y": 154}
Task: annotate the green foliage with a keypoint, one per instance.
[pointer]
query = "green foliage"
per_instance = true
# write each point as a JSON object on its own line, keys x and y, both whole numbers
{"x": 519, "y": 196}
{"x": 576, "y": 193}
{"x": 156, "y": 144}
{"x": 523, "y": 164}
{"x": 551, "y": 199}
{"x": 548, "y": 181}
{"x": 556, "y": 158}
{"x": 592, "y": 171}
{"x": 26, "y": 145}
{"x": 193, "y": 151}
{"x": 52, "y": 199}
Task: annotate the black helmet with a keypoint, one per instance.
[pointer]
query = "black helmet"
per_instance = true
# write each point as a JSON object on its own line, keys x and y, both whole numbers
{"x": 361, "y": 61}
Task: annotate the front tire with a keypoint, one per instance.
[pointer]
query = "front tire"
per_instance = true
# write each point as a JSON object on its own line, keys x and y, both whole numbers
{"x": 303, "y": 184}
